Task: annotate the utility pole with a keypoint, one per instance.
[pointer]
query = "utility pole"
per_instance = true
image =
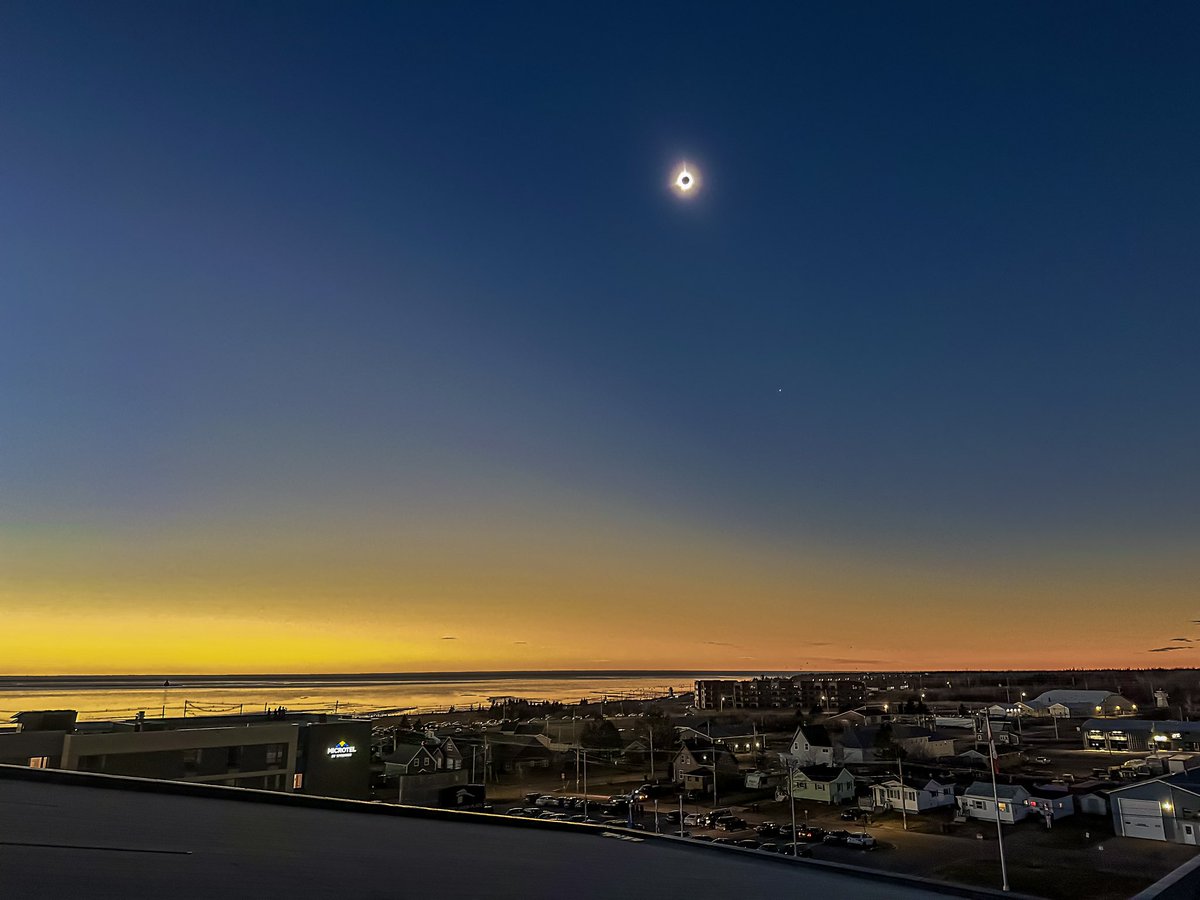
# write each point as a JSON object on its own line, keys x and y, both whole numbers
{"x": 712, "y": 748}
{"x": 903, "y": 802}
{"x": 650, "y": 730}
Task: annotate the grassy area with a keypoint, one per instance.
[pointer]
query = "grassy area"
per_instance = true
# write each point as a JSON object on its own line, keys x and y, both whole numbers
{"x": 1052, "y": 882}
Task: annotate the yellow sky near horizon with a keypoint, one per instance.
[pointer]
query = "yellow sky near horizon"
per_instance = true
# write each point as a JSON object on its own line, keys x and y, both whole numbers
{"x": 553, "y": 594}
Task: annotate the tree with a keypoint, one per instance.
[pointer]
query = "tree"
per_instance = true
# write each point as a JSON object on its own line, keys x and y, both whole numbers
{"x": 600, "y": 734}
{"x": 885, "y": 744}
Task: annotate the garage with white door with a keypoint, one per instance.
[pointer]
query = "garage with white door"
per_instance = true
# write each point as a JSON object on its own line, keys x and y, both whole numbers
{"x": 1142, "y": 819}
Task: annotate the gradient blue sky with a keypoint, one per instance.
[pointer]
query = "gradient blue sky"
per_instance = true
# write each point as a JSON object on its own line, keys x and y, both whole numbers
{"x": 299, "y": 299}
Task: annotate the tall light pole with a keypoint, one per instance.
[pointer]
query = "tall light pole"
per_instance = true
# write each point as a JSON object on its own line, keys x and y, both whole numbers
{"x": 792, "y": 801}
{"x": 993, "y": 760}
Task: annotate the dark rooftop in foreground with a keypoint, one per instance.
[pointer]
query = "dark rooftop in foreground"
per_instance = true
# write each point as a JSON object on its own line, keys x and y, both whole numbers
{"x": 116, "y": 837}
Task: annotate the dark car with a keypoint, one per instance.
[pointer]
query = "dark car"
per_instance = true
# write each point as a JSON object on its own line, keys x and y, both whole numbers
{"x": 728, "y": 842}
{"x": 769, "y": 847}
{"x": 766, "y": 829}
{"x": 854, "y": 813}
{"x": 731, "y": 823}
{"x": 749, "y": 844}
{"x": 836, "y": 837}
{"x": 795, "y": 850}
{"x": 712, "y": 817}
{"x": 810, "y": 835}
{"x": 650, "y": 791}
{"x": 671, "y": 818}
{"x": 707, "y": 838}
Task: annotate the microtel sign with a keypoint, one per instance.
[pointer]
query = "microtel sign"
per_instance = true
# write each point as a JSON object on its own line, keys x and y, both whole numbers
{"x": 341, "y": 750}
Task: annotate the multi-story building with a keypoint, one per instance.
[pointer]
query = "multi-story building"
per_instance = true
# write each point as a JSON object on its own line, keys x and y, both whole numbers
{"x": 717, "y": 693}
{"x": 830, "y": 693}
{"x": 306, "y": 754}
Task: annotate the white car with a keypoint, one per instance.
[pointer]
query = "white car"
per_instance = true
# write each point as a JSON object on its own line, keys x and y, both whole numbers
{"x": 862, "y": 839}
{"x": 695, "y": 820}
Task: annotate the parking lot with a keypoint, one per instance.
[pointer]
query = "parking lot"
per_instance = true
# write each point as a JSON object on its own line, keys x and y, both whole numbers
{"x": 1080, "y": 857}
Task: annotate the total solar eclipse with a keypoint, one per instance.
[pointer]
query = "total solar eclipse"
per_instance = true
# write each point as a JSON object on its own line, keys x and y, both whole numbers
{"x": 685, "y": 179}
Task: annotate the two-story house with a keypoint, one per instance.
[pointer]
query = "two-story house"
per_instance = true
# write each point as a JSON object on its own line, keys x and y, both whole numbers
{"x": 821, "y": 784}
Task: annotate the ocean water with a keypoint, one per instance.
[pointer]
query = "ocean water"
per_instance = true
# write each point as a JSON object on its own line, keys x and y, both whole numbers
{"x": 121, "y": 696}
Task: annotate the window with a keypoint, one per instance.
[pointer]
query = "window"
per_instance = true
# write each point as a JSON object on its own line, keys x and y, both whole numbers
{"x": 191, "y": 760}
{"x": 297, "y": 781}
{"x": 39, "y": 762}
{"x": 91, "y": 764}
{"x": 276, "y": 754}
{"x": 233, "y": 759}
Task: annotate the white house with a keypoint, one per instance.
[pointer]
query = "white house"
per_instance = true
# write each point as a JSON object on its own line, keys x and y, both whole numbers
{"x": 1084, "y": 704}
{"x": 812, "y": 746}
{"x": 857, "y": 745}
{"x": 913, "y": 795}
{"x": 824, "y": 784}
{"x": 977, "y": 802}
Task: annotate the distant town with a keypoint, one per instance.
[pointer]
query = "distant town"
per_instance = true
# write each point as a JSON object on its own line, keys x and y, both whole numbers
{"x": 1091, "y": 779}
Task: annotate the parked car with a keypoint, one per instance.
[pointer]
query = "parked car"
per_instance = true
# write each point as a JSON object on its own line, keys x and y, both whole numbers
{"x": 1042, "y": 760}
{"x": 748, "y": 844}
{"x": 731, "y": 823}
{"x": 810, "y": 835}
{"x": 546, "y": 800}
{"x": 695, "y": 820}
{"x": 854, "y": 813}
{"x": 533, "y": 811}
{"x": 717, "y": 814}
{"x": 836, "y": 837}
{"x": 650, "y": 791}
{"x": 516, "y": 811}
{"x": 766, "y": 829}
{"x": 671, "y": 818}
{"x": 795, "y": 850}
{"x": 707, "y": 838}
{"x": 862, "y": 839}
{"x": 728, "y": 842}
{"x": 769, "y": 847}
